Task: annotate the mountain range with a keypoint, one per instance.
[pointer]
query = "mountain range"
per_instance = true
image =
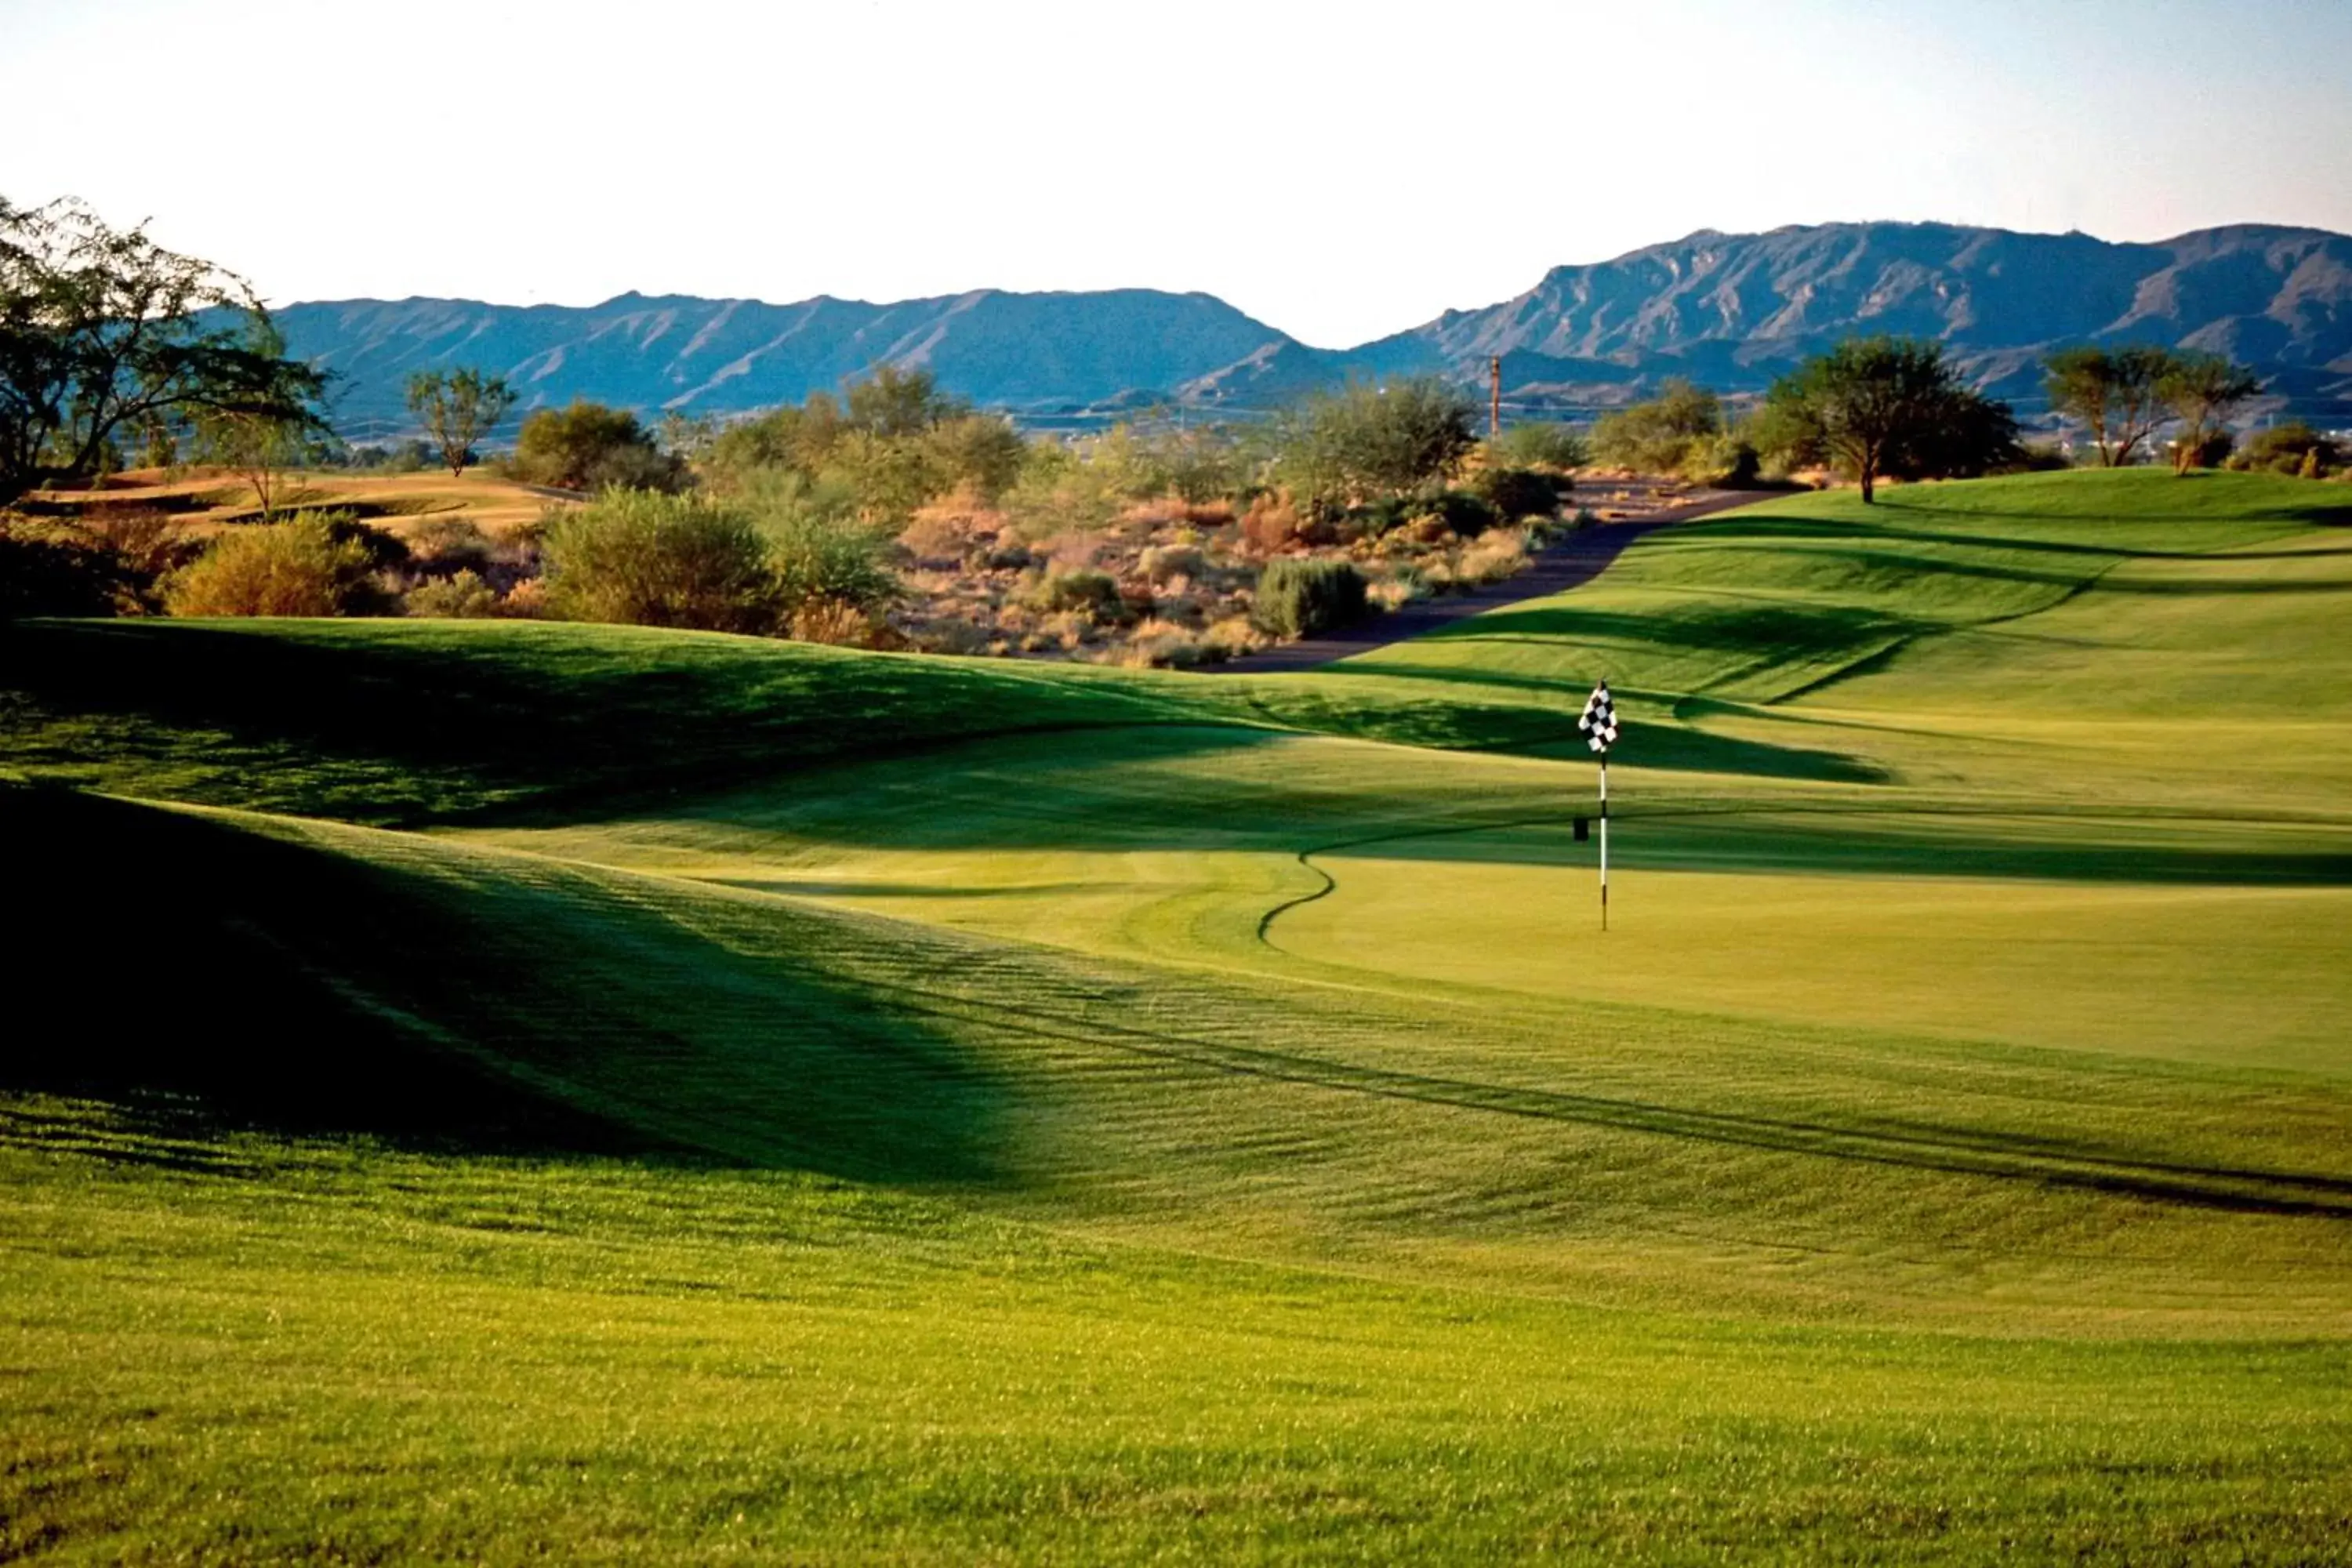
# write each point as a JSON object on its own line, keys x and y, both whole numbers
{"x": 1729, "y": 311}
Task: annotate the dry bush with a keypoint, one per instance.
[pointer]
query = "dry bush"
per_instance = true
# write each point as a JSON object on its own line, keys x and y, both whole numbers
{"x": 954, "y": 635}
{"x": 836, "y": 622}
{"x": 946, "y": 532}
{"x": 1498, "y": 554}
{"x": 464, "y": 596}
{"x": 1164, "y": 564}
{"x": 1400, "y": 584}
{"x": 527, "y": 600}
{"x": 451, "y": 544}
{"x": 298, "y": 567}
{"x": 1229, "y": 636}
{"x": 1271, "y": 524}
{"x": 1094, "y": 592}
{"x": 1159, "y": 645}
{"x": 1070, "y": 629}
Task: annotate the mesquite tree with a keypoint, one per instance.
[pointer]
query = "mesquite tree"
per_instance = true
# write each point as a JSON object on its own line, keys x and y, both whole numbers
{"x": 458, "y": 408}
{"x": 103, "y": 332}
{"x": 2118, "y": 393}
{"x": 1888, "y": 406}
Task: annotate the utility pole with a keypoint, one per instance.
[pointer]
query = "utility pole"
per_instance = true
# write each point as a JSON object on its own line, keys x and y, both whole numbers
{"x": 1494, "y": 397}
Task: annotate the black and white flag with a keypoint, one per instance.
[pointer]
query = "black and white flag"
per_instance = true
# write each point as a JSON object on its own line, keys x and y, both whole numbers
{"x": 1600, "y": 721}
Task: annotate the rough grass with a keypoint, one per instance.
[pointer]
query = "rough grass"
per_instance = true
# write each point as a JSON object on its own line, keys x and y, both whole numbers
{"x": 687, "y": 1097}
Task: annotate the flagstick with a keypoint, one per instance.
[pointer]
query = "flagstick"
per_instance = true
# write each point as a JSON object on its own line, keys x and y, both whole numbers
{"x": 1604, "y": 841}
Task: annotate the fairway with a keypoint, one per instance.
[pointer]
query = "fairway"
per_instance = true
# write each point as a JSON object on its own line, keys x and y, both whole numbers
{"x": 506, "y": 1090}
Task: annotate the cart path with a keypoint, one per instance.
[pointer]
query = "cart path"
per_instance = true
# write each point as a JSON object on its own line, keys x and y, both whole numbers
{"x": 1574, "y": 560}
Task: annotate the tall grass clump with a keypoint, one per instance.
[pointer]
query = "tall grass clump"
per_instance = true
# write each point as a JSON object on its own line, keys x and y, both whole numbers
{"x": 1303, "y": 598}
{"x": 305, "y": 565}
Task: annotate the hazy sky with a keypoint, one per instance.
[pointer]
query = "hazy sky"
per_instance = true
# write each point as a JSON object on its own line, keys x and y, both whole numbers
{"x": 1342, "y": 170}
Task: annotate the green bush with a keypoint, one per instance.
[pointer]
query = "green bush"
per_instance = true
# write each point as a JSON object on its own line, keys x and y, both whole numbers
{"x": 655, "y": 559}
{"x": 1539, "y": 446}
{"x": 1096, "y": 592}
{"x": 463, "y": 597}
{"x": 309, "y": 565}
{"x": 2291, "y": 448}
{"x": 1514, "y": 493}
{"x": 589, "y": 447}
{"x": 1343, "y": 448}
{"x": 1657, "y": 436}
{"x": 1303, "y": 598}
{"x": 1466, "y": 514}
{"x": 1723, "y": 460}
{"x": 819, "y": 552}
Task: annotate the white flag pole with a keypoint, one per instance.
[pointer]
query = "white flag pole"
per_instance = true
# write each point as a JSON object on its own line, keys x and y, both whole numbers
{"x": 1604, "y": 841}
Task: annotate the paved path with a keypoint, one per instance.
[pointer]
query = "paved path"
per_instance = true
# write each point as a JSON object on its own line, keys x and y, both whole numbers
{"x": 1575, "y": 560}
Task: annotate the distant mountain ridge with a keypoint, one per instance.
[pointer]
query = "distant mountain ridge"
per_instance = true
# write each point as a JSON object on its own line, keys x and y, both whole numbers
{"x": 1731, "y": 311}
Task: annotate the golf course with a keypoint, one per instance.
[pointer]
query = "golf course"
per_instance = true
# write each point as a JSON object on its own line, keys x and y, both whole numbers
{"x": 515, "y": 1090}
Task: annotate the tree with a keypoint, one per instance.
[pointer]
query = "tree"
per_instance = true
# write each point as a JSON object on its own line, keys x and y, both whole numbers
{"x": 2202, "y": 391}
{"x": 102, "y": 330}
{"x": 458, "y": 408}
{"x": 588, "y": 447}
{"x": 260, "y": 441}
{"x": 1887, "y": 406}
{"x": 894, "y": 402}
{"x": 1657, "y": 436}
{"x": 1348, "y": 446}
{"x": 2118, "y": 393}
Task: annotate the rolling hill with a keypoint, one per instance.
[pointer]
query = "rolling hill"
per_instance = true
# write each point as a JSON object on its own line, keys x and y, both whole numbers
{"x": 500, "y": 1090}
{"x": 1731, "y": 311}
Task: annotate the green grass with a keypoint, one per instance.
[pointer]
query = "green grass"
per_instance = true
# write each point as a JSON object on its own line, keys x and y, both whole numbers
{"x": 541, "y": 1090}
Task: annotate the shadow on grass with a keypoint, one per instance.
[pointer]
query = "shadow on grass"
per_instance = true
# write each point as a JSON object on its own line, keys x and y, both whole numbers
{"x": 463, "y": 1004}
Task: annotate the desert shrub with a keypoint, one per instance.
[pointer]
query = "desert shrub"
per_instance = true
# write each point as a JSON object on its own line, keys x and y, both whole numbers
{"x": 1163, "y": 563}
{"x": 1057, "y": 493}
{"x": 450, "y": 544}
{"x": 981, "y": 452}
{"x": 1399, "y": 585}
{"x": 1554, "y": 447}
{"x": 305, "y": 565}
{"x": 1459, "y": 512}
{"x": 834, "y": 621}
{"x": 795, "y": 439}
{"x": 2287, "y": 449}
{"x": 953, "y": 635}
{"x": 1498, "y": 555}
{"x": 1083, "y": 589}
{"x": 1271, "y": 523}
{"x": 527, "y": 600}
{"x": 656, "y": 560}
{"x": 1516, "y": 493}
{"x": 939, "y": 535}
{"x": 1342, "y": 449}
{"x": 464, "y": 596}
{"x": 816, "y": 557}
{"x": 588, "y": 447}
{"x": 2212, "y": 451}
{"x": 1723, "y": 462}
{"x": 1656, "y": 435}
{"x": 46, "y": 570}
{"x": 1159, "y": 645}
{"x": 1303, "y": 598}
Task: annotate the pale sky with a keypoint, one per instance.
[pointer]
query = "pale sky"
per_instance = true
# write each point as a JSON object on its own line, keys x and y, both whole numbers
{"x": 1340, "y": 171}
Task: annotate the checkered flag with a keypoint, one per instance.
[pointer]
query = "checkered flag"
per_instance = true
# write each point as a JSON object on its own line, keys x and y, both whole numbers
{"x": 1600, "y": 721}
